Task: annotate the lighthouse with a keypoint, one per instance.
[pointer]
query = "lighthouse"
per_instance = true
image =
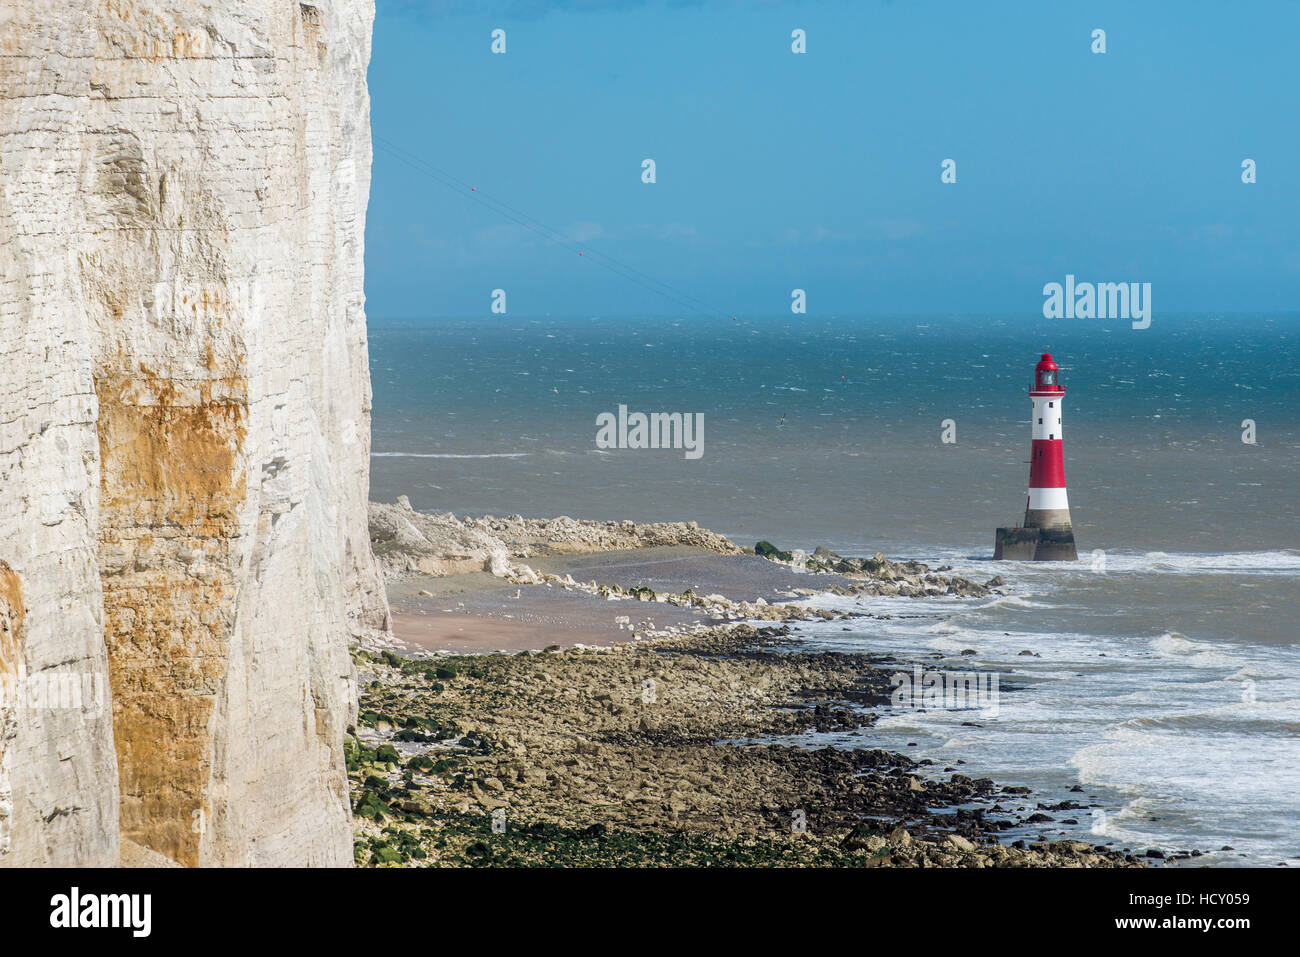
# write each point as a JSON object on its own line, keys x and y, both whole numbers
{"x": 1047, "y": 534}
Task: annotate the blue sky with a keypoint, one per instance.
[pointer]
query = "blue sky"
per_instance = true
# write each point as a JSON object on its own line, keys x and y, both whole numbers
{"x": 821, "y": 171}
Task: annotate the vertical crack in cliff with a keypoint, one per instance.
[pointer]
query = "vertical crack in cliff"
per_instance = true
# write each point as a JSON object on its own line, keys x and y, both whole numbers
{"x": 171, "y": 484}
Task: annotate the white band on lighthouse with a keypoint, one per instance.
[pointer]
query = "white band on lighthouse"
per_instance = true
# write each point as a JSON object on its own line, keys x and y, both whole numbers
{"x": 1042, "y": 499}
{"x": 1047, "y": 417}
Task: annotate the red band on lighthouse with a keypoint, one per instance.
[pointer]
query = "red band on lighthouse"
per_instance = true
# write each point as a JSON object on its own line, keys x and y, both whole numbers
{"x": 1047, "y": 465}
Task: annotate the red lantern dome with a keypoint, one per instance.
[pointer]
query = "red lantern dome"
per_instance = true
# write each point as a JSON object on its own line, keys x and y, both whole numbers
{"x": 1047, "y": 377}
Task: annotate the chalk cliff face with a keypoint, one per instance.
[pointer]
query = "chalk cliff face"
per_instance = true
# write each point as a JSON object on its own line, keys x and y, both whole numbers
{"x": 184, "y": 427}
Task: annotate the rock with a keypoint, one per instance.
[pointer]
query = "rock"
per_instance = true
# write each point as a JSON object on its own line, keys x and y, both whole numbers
{"x": 523, "y": 575}
{"x": 766, "y": 549}
{"x": 960, "y": 843}
{"x": 862, "y": 838}
{"x": 184, "y": 424}
{"x": 498, "y": 563}
{"x": 899, "y": 838}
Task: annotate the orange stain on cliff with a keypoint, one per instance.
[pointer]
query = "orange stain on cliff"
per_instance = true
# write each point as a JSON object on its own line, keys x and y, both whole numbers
{"x": 172, "y": 484}
{"x": 12, "y": 615}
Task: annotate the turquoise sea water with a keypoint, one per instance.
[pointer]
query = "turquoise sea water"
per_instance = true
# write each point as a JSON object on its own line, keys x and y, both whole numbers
{"x": 1168, "y": 682}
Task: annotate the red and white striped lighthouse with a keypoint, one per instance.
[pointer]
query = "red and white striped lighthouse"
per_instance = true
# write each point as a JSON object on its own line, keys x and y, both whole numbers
{"x": 1047, "y": 506}
{"x": 1047, "y": 534}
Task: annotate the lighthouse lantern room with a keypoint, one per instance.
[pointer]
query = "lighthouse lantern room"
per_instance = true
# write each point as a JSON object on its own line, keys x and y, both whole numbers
{"x": 1047, "y": 534}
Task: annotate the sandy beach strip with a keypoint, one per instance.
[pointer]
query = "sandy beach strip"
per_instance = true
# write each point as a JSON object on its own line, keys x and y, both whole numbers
{"x": 476, "y": 612}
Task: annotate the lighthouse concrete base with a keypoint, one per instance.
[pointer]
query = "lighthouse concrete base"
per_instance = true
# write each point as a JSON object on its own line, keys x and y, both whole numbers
{"x": 1034, "y": 545}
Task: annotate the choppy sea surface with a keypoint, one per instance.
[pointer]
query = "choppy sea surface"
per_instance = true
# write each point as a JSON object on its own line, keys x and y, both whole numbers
{"x": 1167, "y": 678}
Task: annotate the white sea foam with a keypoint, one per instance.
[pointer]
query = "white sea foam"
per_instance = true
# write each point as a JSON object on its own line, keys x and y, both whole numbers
{"x": 972, "y": 563}
{"x": 1180, "y": 741}
{"x": 1015, "y": 601}
{"x": 1268, "y": 562}
{"x": 1199, "y": 653}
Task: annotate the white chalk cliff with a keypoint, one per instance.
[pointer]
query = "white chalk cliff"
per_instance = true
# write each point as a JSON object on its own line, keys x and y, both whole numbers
{"x": 184, "y": 427}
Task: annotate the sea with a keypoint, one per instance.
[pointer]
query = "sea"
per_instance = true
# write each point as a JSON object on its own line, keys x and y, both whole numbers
{"x": 1162, "y": 695}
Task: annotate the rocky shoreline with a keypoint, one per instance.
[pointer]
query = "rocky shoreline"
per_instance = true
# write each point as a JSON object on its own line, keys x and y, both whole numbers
{"x": 653, "y": 753}
{"x": 659, "y": 750}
